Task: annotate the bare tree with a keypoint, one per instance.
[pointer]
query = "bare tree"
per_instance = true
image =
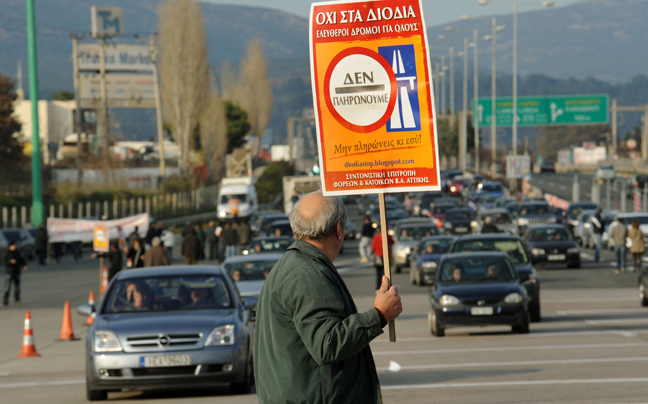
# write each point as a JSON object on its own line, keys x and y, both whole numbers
{"x": 184, "y": 69}
{"x": 256, "y": 92}
{"x": 229, "y": 83}
{"x": 213, "y": 135}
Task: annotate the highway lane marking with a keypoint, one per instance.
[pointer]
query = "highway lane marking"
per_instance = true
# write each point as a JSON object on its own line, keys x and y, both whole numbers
{"x": 601, "y": 299}
{"x": 518, "y": 363}
{"x": 533, "y": 334}
{"x": 600, "y": 311}
{"x": 38, "y": 384}
{"x": 618, "y": 321}
{"x": 510, "y": 348}
{"x": 514, "y": 383}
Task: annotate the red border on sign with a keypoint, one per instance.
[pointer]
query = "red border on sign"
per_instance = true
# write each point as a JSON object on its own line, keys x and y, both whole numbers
{"x": 392, "y": 96}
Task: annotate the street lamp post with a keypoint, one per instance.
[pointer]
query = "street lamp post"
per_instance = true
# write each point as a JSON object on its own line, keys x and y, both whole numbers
{"x": 476, "y": 104}
{"x": 452, "y": 103}
{"x": 443, "y": 92}
{"x": 493, "y": 39}
{"x": 515, "y": 67}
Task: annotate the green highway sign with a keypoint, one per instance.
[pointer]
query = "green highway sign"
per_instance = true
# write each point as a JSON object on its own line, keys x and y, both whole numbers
{"x": 553, "y": 110}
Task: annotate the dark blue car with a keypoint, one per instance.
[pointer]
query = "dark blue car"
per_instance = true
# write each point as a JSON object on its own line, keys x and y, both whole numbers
{"x": 424, "y": 259}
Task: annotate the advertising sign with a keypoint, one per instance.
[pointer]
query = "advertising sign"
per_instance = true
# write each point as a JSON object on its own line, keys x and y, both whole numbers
{"x": 536, "y": 111}
{"x": 517, "y": 166}
{"x": 373, "y": 97}
{"x": 117, "y": 57}
{"x": 122, "y": 90}
{"x": 101, "y": 239}
{"x": 106, "y": 21}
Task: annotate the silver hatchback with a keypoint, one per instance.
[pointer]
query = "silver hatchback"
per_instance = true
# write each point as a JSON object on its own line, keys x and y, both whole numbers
{"x": 169, "y": 327}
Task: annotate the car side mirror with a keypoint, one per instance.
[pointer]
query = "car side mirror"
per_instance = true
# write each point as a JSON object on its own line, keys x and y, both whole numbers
{"x": 250, "y": 303}
{"x": 86, "y": 309}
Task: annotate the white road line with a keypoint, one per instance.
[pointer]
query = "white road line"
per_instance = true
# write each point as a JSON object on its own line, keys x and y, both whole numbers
{"x": 533, "y": 334}
{"x": 520, "y": 363}
{"x": 514, "y": 383}
{"x": 37, "y": 384}
{"x": 600, "y": 311}
{"x": 512, "y": 348}
{"x": 590, "y": 299}
{"x": 618, "y": 321}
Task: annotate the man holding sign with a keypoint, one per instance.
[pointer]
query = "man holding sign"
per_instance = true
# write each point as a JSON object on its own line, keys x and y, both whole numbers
{"x": 311, "y": 344}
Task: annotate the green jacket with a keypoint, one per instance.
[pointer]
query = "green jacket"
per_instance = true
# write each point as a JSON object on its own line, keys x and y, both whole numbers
{"x": 311, "y": 344}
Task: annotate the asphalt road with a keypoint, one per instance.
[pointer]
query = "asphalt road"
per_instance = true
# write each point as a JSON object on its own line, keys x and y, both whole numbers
{"x": 590, "y": 347}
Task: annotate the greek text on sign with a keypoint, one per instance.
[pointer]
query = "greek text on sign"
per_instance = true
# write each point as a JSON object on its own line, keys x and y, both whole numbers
{"x": 373, "y": 97}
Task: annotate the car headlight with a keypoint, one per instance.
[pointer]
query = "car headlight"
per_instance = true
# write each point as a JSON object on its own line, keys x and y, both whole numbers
{"x": 537, "y": 251}
{"x": 453, "y": 189}
{"x": 106, "y": 341}
{"x": 513, "y": 298}
{"x": 473, "y": 224}
{"x": 551, "y": 220}
{"x": 448, "y": 300}
{"x": 429, "y": 265}
{"x": 448, "y": 225}
{"x": 222, "y": 335}
{"x": 222, "y": 213}
{"x": 522, "y": 221}
{"x": 573, "y": 250}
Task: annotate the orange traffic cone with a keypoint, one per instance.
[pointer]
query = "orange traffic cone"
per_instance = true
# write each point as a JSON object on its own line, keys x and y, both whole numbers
{"x": 28, "y": 348}
{"x": 91, "y": 301}
{"x": 66, "y": 329}
{"x": 104, "y": 280}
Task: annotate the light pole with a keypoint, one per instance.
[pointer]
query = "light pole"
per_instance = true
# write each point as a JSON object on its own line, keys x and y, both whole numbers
{"x": 515, "y": 67}
{"x": 443, "y": 93}
{"x": 476, "y": 104}
{"x": 493, "y": 39}
{"x": 436, "y": 85}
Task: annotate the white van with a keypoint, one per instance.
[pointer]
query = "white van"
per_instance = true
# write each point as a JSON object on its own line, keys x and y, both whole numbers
{"x": 237, "y": 197}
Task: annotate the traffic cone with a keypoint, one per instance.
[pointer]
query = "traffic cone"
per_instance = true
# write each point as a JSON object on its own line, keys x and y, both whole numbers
{"x": 104, "y": 280}
{"x": 66, "y": 328}
{"x": 91, "y": 301}
{"x": 28, "y": 348}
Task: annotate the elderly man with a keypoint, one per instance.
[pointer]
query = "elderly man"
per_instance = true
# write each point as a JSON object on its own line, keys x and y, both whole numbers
{"x": 311, "y": 344}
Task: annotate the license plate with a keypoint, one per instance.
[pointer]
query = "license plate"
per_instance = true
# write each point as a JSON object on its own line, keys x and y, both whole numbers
{"x": 556, "y": 257}
{"x": 461, "y": 229}
{"x": 481, "y": 311}
{"x": 164, "y": 361}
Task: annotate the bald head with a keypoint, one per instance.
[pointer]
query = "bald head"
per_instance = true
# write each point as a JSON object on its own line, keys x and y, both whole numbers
{"x": 315, "y": 216}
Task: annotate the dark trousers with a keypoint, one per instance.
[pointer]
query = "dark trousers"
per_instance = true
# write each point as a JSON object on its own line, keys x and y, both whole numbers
{"x": 42, "y": 254}
{"x": 380, "y": 272}
{"x": 636, "y": 257}
{"x": 213, "y": 249}
{"x": 9, "y": 279}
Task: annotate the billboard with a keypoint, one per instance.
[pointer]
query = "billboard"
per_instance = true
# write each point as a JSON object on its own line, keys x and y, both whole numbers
{"x": 122, "y": 90}
{"x": 117, "y": 57}
{"x": 373, "y": 97}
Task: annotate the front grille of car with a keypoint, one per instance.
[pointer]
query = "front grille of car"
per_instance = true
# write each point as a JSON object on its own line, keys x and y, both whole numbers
{"x": 485, "y": 302}
{"x": 174, "y": 340}
{"x": 538, "y": 220}
{"x": 164, "y": 371}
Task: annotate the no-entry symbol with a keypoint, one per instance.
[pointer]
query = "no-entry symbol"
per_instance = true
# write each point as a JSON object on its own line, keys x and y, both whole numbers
{"x": 360, "y": 89}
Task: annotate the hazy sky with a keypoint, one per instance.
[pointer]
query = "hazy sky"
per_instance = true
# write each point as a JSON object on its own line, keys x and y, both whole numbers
{"x": 437, "y": 12}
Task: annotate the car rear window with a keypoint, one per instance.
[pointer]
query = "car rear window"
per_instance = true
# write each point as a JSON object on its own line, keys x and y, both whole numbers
{"x": 536, "y": 209}
{"x": 417, "y": 232}
{"x": 512, "y": 247}
{"x": 250, "y": 270}
{"x": 477, "y": 270}
{"x": 551, "y": 234}
{"x": 435, "y": 246}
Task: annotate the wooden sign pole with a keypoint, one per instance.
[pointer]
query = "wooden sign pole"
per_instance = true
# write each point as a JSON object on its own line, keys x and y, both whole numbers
{"x": 385, "y": 249}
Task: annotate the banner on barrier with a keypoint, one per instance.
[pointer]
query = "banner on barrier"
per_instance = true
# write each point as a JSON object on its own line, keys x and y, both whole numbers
{"x": 69, "y": 230}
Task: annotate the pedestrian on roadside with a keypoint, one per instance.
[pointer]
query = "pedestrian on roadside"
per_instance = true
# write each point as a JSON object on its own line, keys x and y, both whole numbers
{"x": 311, "y": 345}
{"x": 150, "y": 233}
{"x": 13, "y": 262}
{"x": 379, "y": 263}
{"x": 366, "y": 234}
{"x": 230, "y": 238}
{"x": 42, "y": 239}
{"x": 190, "y": 249}
{"x": 598, "y": 228}
{"x": 201, "y": 238}
{"x": 133, "y": 236}
{"x": 136, "y": 255}
{"x": 244, "y": 236}
{"x": 115, "y": 259}
{"x": 212, "y": 241}
{"x": 618, "y": 235}
{"x": 156, "y": 256}
{"x": 637, "y": 238}
{"x": 488, "y": 226}
{"x": 168, "y": 241}
{"x": 221, "y": 243}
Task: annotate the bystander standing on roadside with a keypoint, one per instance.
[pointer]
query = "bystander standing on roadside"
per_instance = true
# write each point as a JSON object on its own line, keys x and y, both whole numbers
{"x": 220, "y": 252}
{"x": 133, "y": 236}
{"x": 190, "y": 248}
{"x": 244, "y": 235}
{"x": 115, "y": 259}
{"x": 136, "y": 255}
{"x": 212, "y": 241}
{"x": 637, "y": 238}
{"x": 230, "y": 238}
{"x": 42, "y": 239}
{"x": 201, "y": 238}
{"x": 13, "y": 263}
{"x": 377, "y": 248}
{"x": 618, "y": 235}
{"x": 150, "y": 233}
{"x": 155, "y": 256}
{"x": 366, "y": 234}
{"x": 311, "y": 345}
{"x": 598, "y": 228}
{"x": 168, "y": 241}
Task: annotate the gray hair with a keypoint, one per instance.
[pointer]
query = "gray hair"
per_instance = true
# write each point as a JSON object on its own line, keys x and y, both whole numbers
{"x": 323, "y": 224}
{"x": 155, "y": 242}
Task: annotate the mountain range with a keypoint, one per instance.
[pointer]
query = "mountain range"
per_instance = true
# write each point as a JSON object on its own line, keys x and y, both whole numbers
{"x": 604, "y": 39}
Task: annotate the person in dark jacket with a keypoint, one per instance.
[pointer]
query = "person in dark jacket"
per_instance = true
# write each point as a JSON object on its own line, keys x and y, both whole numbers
{"x": 366, "y": 235}
{"x": 190, "y": 248}
{"x": 133, "y": 236}
{"x": 311, "y": 344}
{"x": 41, "y": 243}
{"x": 488, "y": 226}
{"x": 156, "y": 256}
{"x": 230, "y": 238}
{"x": 114, "y": 257}
{"x": 150, "y": 233}
{"x": 212, "y": 241}
{"x": 136, "y": 255}
{"x": 12, "y": 261}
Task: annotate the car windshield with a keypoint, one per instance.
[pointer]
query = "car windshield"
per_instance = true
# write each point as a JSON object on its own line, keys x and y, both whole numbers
{"x": 458, "y": 215}
{"x": 417, "y": 232}
{"x": 535, "y": 209}
{"x": 512, "y": 247}
{"x": 225, "y": 198}
{"x": 256, "y": 270}
{"x": 263, "y": 245}
{"x": 574, "y": 211}
{"x": 477, "y": 270}
{"x": 491, "y": 188}
{"x": 640, "y": 219}
{"x": 442, "y": 209}
{"x": 165, "y": 293}
{"x": 500, "y": 217}
{"x": 11, "y": 235}
{"x": 551, "y": 234}
{"x": 281, "y": 229}
{"x": 427, "y": 199}
{"x": 435, "y": 246}
{"x": 486, "y": 198}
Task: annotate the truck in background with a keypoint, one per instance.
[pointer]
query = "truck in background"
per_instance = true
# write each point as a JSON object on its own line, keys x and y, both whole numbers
{"x": 294, "y": 186}
{"x": 237, "y": 197}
